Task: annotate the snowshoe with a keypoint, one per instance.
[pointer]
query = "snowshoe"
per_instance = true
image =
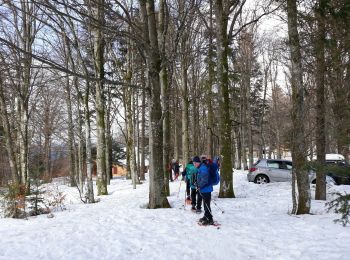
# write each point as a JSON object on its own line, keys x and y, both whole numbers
{"x": 207, "y": 222}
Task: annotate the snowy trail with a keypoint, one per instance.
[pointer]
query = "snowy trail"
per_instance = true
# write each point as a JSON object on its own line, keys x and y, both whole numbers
{"x": 255, "y": 225}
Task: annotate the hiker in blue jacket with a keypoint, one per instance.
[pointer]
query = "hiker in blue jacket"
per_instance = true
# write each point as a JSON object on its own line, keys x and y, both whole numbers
{"x": 204, "y": 189}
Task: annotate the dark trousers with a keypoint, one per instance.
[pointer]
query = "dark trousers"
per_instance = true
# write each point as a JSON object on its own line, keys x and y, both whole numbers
{"x": 171, "y": 175}
{"x": 188, "y": 188}
{"x": 196, "y": 199}
{"x": 207, "y": 209}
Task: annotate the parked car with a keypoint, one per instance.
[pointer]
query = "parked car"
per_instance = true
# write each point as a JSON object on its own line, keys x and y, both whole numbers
{"x": 339, "y": 171}
{"x": 272, "y": 170}
{"x": 337, "y": 168}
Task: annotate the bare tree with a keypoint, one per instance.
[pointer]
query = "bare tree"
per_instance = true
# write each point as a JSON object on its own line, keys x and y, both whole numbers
{"x": 298, "y": 114}
{"x": 157, "y": 194}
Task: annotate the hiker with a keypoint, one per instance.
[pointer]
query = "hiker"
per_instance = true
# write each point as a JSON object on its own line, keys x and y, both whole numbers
{"x": 195, "y": 195}
{"x": 176, "y": 169}
{"x": 191, "y": 176}
{"x": 204, "y": 188}
{"x": 170, "y": 171}
{"x": 185, "y": 179}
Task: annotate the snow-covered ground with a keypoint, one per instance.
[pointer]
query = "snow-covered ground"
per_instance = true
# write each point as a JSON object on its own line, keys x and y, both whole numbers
{"x": 255, "y": 225}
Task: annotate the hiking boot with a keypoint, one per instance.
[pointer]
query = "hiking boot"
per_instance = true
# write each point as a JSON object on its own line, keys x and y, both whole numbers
{"x": 201, "y": 220}
{"x": 207, "y": 222}
{"x": 198, "y": 211}
{"x": 193, "y": 208}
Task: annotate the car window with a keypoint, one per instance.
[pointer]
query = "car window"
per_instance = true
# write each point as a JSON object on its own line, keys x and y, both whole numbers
{"x": 255, "y": 164}
{"x": 289, "y": 165}
{"x": 274, "y": 165}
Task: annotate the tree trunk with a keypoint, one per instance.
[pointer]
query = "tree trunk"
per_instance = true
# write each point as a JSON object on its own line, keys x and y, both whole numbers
{"x": 226, "y": 183}
{"x": 79, "y": 153}
{"x": 321, "y": 104}
{"x": 184, "y": 114}
{"x": 211, "y": 79}
{"x": 184, "y": 101}
{"x": 239, "y": 148}
{"x": 90, "y": 190}
{"x": 128, "y": 95}
{"x": 176, "y": 132}
{"x": 157, "y": 195}
{"x": 195, "y": 119}
{"x": 99, "y": 46}
{"x": 5, "y": 122}
{"x": 108, "y": 137}
{"x": 298, "y": 113}
{"x": 143, "y": 124}
{"x": 163, "y": 26}
{"x": 27, "y": 39}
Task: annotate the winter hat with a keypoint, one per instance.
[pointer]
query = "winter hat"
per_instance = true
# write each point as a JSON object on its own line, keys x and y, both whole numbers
{"x": 196, "y": 159}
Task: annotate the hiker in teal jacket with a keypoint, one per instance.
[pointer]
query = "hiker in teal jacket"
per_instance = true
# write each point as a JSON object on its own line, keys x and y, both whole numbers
{"x": 191, "y": 176}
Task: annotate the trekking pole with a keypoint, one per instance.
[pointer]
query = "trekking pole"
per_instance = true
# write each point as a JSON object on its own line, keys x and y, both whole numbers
{"x": 222, "y": 211}
{"x": 185, "y": 197}
{"x": 204, "y": 204}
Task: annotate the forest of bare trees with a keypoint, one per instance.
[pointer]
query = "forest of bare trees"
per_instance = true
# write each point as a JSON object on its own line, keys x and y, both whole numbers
{"x": 84, "y": 81}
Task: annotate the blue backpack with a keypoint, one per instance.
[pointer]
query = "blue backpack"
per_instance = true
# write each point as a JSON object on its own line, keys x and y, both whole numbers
{"x": 214, "y": 177}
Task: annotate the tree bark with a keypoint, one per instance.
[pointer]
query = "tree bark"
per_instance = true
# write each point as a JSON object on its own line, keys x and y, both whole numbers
{"x": 320, "y": 101}
{"x": 165, "y": 97}
{"x": 89, "y": 164}
{"x": 143, "y": 124}
{"x": 211, "y": 80}
{"x": 157, "y": 195}
{"x": 298, "y": 113}
{"x": 99, "y": 47}
{"x": 5, "y": 120}
{"x": 226, "y": 183}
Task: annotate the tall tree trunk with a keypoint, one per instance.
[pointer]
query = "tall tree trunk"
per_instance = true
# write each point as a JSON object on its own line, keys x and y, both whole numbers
{"x": 234, "y": 153}
{"x": 27, "y": 39}
{"x": 157, "y": 195}
{"x": 176, "y": 132}
{"x": 99, "y": 47}
{"x": 239, "y": 147}
{"x": 5, "y": 122}
{"x": 89, "y": 164}
{"x": 184, "y": 113}
{"x": 196, "y": 116}
{"x": 321, "y": 104}
{"x": 137, "y": 135}
{"x": 143, "y": 124}
{"x": 80, "y": 160}
{"x": 128, "y": 95}
{"x": 108, "y": 136}
{"x": 108, "y": 150}
{"x": 262, "y": 152}
{"x": 226, "y": 183}
{"x": 298, "y": 113}
{"x": 163, "y": 27}
{"x": 184, "y": 99}
{"x": 211, "y": 80}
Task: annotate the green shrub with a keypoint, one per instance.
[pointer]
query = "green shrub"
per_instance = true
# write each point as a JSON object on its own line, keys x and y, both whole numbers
{"x": 341, "y": 205}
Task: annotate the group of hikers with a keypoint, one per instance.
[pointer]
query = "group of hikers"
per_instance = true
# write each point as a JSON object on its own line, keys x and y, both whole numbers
{"x": 200, "y": 174}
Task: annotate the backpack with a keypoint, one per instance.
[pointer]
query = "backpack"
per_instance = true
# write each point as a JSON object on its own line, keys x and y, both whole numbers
{"x": 214, "y": 177}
